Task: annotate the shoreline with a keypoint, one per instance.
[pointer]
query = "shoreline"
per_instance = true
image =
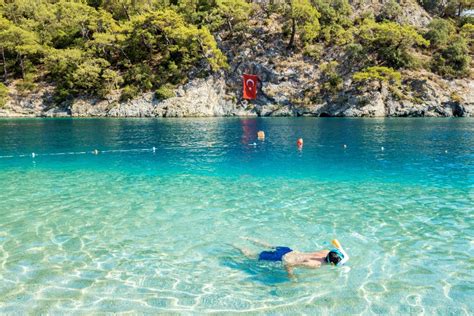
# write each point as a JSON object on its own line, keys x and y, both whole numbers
{"x": 231, "y": 117}
{"x": 214, "y": 97}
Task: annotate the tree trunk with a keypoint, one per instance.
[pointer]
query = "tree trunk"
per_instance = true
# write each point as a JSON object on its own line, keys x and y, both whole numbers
{"x": 22, "y": 66}
{"x": 229, "y": 25}
{"x": 5, "y": 73}
{"x": 293, "y": 32}
{"x": 125, "y": 9}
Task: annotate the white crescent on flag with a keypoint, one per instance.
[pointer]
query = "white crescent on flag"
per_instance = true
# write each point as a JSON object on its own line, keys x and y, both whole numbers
{"x": 250, "y": 83}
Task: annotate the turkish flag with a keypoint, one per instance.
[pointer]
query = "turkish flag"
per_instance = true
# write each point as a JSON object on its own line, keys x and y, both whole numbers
{"x": 250, "y": 86}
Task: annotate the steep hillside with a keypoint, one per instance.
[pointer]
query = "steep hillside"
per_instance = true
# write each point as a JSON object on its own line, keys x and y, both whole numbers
{"x": 320, "y": 58}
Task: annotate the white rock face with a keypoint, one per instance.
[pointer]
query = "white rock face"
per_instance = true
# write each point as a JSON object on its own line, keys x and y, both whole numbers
{"x": 30, "y": 105}
{"x": 198, "y": 98}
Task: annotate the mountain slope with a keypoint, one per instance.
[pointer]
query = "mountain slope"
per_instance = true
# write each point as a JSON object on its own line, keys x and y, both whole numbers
{"x": 320, "y": 57}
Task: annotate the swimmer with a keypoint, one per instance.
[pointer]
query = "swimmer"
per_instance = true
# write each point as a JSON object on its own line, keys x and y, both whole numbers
{"x": 295, "y": 259}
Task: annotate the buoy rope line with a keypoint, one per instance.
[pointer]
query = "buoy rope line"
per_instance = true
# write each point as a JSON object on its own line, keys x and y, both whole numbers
{"x": 93, "y": 152}
{"x": 97, "y": 152}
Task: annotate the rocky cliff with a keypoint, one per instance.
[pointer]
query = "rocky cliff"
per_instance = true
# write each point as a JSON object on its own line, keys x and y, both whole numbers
{"x": 208, "y": 97}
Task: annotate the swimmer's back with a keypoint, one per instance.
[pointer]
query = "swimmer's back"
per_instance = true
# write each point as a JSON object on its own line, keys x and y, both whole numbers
{"x": 305, "y": 259}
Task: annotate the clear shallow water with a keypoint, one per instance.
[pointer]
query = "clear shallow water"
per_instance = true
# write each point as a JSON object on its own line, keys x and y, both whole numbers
{"x": 154, "y": 232}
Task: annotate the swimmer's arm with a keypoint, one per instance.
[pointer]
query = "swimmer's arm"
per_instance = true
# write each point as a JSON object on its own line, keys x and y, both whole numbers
{"x": 289, "y": 270}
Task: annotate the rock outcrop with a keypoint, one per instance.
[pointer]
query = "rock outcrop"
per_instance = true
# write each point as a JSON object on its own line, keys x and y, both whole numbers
{"x": 411, "y": 12}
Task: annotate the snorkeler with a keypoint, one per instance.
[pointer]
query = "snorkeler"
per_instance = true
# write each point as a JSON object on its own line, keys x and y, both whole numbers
{"x": 292, "y": 258}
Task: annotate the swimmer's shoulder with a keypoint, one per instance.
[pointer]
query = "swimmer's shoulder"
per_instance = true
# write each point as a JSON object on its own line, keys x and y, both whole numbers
{"x": 323, "y": 252}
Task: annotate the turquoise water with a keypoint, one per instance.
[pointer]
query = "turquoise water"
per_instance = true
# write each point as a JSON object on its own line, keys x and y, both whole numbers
{"x": 134, "y": 230}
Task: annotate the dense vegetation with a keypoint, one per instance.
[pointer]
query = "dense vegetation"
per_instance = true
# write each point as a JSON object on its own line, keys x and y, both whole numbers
{"x": 100, "y": 46}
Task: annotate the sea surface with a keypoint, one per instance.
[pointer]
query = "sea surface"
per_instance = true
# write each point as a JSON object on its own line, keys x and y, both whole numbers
{"x": 129, "y": 228}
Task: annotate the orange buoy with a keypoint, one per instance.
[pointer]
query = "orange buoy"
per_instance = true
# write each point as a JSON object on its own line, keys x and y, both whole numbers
{"x": 299, "y": 142}
{"x": 261, "y": 135}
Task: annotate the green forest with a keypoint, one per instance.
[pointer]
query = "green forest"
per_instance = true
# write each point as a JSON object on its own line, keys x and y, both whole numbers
{"x": 97, "y": 46}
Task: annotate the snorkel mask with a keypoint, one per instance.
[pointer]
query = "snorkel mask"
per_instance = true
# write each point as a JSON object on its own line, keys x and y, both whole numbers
{"x": 340, "y": 252}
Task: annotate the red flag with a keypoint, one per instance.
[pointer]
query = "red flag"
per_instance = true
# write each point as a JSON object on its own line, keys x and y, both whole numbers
{"x": 250, "y": 86}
